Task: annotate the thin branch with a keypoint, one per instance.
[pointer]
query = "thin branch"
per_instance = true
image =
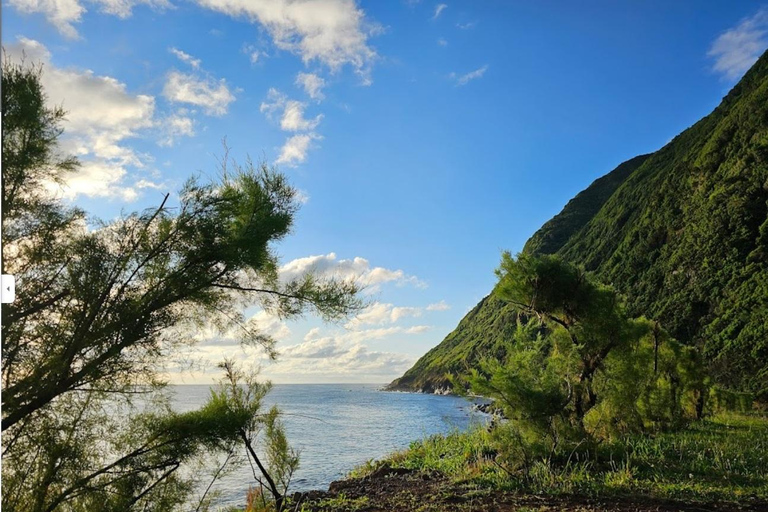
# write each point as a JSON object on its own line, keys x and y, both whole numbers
{"x": 213, "y": 480}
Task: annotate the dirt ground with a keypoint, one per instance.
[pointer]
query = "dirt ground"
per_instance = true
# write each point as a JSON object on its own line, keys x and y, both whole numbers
{"x": 402, "y": 490}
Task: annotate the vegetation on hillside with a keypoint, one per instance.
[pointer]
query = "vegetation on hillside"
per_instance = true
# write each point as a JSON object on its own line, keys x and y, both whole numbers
{"x": 556, "y": 232}
{"x": 594, "y": 403}
{"x": 682, "y": 234}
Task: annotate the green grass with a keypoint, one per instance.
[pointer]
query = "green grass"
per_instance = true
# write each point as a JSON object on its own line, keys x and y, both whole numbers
{"x": 340, "y": 503}
{"x": 724, "y": 458}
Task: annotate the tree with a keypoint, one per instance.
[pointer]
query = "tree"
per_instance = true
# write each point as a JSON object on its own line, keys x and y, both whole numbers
{"x": 562, "y": 295}
{"x": 240, "y": 395}
{"x": 99, "y": 310}
{"x": 581, "y": 367}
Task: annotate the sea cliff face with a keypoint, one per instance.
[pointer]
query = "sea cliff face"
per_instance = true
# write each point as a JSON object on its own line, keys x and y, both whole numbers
{"x": 682, "y": 233}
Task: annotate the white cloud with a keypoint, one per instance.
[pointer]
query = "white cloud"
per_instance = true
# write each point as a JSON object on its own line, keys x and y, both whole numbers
{"x": 123, "y": 8}
{"x": 185, "y": 57}
{"x": 63, "y": 14}
{"x": 442, "y": 42}
{"x": 399, "y": 312}
{"x": 98, "y": 178}
{"x": 472, "y": 75}
{"x": 418, "y": 329}
{"x": 150, "y": 184}
{"x": 312, "y": 84}
{"x": 179, "y": 124}
{"x": 275, "y": 101}
{"x": 261, "y": 322}
{"x": 439, "y": 306}
{"x": 212, "y": 95}
{"x": 295, "y": 149}
{"x": 380, "y": 313}
{"x": 736, "y": 49}
{"x": 101, "y": 116}
{"x": 333, "y": 32}
{"x": 293, "y": 119}
{"x": 466, "y": 26}
{"x": 342, "y": 355}
{"x": 439, "y": 10}
{"x": 269, "y": 325}
{"x": 356, "y": 269}
{"x": 60, "y": 13}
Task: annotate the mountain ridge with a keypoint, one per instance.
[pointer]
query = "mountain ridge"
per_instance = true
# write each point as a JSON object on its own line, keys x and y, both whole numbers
{"x": 682, "y": 233}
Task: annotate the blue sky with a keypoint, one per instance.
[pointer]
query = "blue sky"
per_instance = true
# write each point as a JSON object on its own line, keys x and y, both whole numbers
{"x": 425, "y": 137}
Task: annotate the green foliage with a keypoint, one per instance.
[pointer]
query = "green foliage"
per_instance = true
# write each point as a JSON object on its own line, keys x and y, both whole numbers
{"x": 595, "y": 355}
{"x": 682, "y": 237}
{"x": 460, "y": 454}
{"x": 589, "y": 375}
{"x": 31, "y": 161}
{"x": 718, "y": 459}
{"x": 238, "y": 401}
{"x": 681, "y": 233}
{"x": 557, "y": 231}
{"x": 340, "y": 503}
{"x": 99, "y": 312}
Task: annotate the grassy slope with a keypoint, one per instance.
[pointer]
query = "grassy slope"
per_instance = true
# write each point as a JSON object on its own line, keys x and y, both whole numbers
{"x": 716, "y": 464}
{"x": 683, "y": 233}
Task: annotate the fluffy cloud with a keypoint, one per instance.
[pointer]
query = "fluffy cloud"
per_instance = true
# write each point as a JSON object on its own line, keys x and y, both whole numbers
{"x": 101, "y": 116}
{"x": 442, "y": 42}
{"x": 63, "y": 14}
{"x": 293, "y": 118}
{"x": 97, "y": 178}
{"x": 274, "y": 103}
{"x": 312, "y": 84}
{"x": 341, "y": 355}
{"x": 380, "y": 313}
{"x": 736, "y": 49}
{"x": 418, "y": 329}
{"x": 439, "y": 10}
{"x": 439, "y": 306}
{"x": 333, "y": 32}
{"x": 179, "y": 124}
{"x": 356, "y": 269}
{"x": 472, "y": 75}
{"x": 185, "y": 57}
{"x": 213, "y": 96}
{"x": 262, "y": 322}
{"x": 295, "y": 149}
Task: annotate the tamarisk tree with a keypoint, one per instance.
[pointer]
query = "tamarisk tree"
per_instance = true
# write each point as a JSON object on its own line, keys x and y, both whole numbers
{"x": 579, "y": 367}
{"x": 101, "y": 307}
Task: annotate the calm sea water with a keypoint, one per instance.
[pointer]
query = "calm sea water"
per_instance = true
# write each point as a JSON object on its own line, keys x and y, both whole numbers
{"x": 337, "y": 427}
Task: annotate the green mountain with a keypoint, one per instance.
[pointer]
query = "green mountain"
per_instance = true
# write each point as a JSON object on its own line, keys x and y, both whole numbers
{"x": 682, "y": 233}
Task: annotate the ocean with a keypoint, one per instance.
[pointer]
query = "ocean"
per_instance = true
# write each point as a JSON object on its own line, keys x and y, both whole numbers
{"x": 337, "y": 427}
